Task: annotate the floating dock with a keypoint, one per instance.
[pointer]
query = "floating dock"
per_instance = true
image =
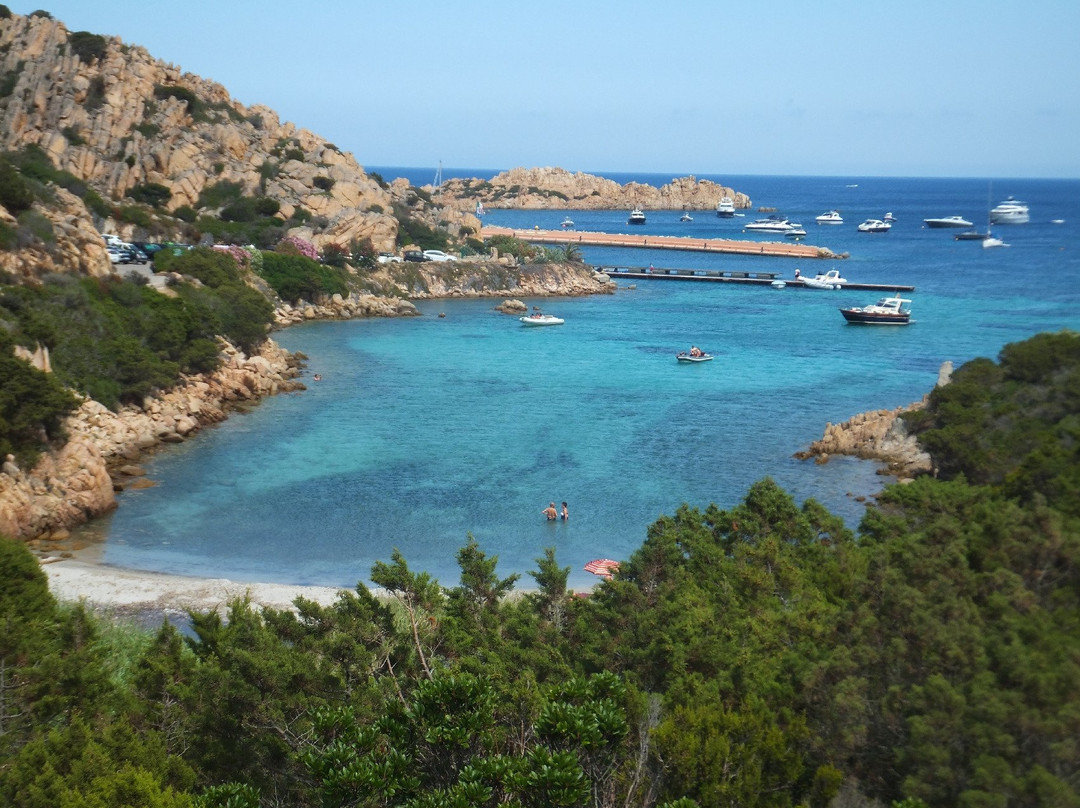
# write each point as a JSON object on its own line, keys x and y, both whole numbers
{"x": 729, "y": 276}
{"x": 782, "y": 249}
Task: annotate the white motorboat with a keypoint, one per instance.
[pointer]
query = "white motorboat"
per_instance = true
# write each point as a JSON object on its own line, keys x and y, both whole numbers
{"x": 795, "y": 230}
{"x": 567, "y": 223}
{"x": 887, "y": 311}
{"x": 948, "y": 221}
{"x": 831, "y": 217}
{"x": 825, "y": 280}
{"x": 773, "y": 224}
{"x": 874, "y": 226}
{"x": 993, "y": 241}
{"x": 637, "y": 216}
{"x": 686, "y": 356}
{"x": 725, "y": 208}
{"x": 1011, "y": 211}
{"x": 686, "y": 217}
{"x": 889, "y": 218}
{"x": 541, "y": 319}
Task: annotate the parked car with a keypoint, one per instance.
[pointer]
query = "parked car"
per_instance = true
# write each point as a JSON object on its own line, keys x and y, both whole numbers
{"x": 134, "y": 256}
{"x": 388, "y": 258}
{"x": 115, "y": 256}
{"x": 438, "y": 255}
{"x": 415, "y": 255}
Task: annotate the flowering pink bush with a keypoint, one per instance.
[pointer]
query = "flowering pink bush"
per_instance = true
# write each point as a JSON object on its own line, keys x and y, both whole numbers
{"x": 241, "y": 256}
{"x": 293, "y": 245}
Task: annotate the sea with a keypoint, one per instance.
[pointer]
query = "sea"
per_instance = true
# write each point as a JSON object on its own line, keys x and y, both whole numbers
{"x": 425, "y": 431}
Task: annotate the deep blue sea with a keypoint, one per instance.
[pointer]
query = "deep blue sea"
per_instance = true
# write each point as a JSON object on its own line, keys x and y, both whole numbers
{"x": 425, "y": 430}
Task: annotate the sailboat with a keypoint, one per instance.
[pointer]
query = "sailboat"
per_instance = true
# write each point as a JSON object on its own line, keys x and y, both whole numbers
{"x": 480, "y": 210}
{"x": 990, "y": 240}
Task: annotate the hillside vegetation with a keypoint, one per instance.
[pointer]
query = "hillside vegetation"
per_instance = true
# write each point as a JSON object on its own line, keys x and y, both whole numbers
{"x": 757, "y": 656}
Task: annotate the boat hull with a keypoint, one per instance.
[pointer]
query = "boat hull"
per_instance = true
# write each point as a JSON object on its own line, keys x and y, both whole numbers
{"x": 539, "y": 321}
{"x": 858, "y": 317}
{"x": 946, "y": 223}
{"x": 685, "y": 357}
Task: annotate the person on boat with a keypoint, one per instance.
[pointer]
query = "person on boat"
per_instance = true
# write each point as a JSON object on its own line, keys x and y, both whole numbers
{"x": 550, "y": 512}
{"x": 565, "y": 512}
{"x": 797, "y": 273}
{"x": 695, "y": 350}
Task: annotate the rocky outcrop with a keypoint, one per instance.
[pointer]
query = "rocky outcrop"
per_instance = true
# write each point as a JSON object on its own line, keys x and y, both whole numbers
{"x": 556, "y": 188}
{"x": 123, "y": 118}
{"x": 879, "y": 435}
{"x": 499, "y": 278}
{"x": 73, "y": 245}
{"x": 343, "y": 308}
{"x": 73, "y": 484}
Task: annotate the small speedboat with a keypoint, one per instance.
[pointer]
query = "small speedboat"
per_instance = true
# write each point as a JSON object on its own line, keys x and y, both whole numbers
{"x": 831, "y": 217}
{"x": 541, "y": 319}
{"x": 874, "y": 226}
{"x": 993, "y": 241}
{"x": 795, "y": 230}
{"x": 889, "y": 218}
{"x": 971, "y": 235}
{"x": 826, "y": 280}
{"x": 947, "y": 221}
{"x": 686, "y": 217}
{"x": 567, "y": 223}
{"x": 637, "y": 216}
{"x": 686, "y": 356}
{"x": 887, "y": 311}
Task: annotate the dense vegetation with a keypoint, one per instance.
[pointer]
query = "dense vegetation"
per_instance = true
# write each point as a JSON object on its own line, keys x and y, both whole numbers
{"x": 759, "y": 656}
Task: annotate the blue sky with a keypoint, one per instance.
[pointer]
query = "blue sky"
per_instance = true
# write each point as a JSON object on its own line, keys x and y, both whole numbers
{"x": 884, "y": 88}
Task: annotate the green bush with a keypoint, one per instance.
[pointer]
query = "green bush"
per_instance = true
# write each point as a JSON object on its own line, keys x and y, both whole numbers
{"x": 15, "y": 194}
{"x": 35, "y": 226}
{"x": 294, "y": 154}
{"x": 185, "y": 213}
{"x": 219, "y": 194}
{"x": 73, "y": 136}
{"x": 323, "y": 183}
{"x": 134, "y": 214}
{"x": 295, "y": 278}
{"x": 241, "y": 210}
{"x": 147, "y": 129}
{"x": 165, "y": 92}
{"x": 151, "y": 193}
{"x": 96, "y": 204}
{"x": 265, "y": 206}
{"x": 88, "y": 47}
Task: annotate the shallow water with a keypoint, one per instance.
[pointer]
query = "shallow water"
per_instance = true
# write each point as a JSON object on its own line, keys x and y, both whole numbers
{"x": 427, "y": 429}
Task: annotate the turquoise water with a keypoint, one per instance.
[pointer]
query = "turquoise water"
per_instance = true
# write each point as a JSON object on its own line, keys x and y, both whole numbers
{"x": 427, "y": 429}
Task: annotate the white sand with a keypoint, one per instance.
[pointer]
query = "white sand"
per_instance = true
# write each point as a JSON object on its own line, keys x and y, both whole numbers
{"x": 102, "y": 586}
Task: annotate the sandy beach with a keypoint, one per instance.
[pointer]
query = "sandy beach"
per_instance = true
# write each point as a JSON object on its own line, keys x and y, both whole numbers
{"x": 133, "y": 591}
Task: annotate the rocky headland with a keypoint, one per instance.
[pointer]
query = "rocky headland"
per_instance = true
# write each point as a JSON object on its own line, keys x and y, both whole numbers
{"x": 879, "y": 435}
{"x": 557, "y": 188}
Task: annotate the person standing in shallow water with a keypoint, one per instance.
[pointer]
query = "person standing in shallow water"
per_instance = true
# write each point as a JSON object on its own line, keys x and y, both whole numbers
{"x": 565, "y": 512}
{"x": 550, "y": 512}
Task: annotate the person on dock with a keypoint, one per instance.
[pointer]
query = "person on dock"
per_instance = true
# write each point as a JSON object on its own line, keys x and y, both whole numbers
{"x": 550, "y": 512}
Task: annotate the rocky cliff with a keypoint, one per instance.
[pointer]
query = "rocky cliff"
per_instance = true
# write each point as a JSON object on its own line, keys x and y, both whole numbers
{"x": 533, "y": 188}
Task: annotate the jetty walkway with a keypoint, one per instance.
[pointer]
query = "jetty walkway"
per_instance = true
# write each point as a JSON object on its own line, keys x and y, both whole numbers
{"x": 727, "y": 276}
{"x": 714, "y": 245}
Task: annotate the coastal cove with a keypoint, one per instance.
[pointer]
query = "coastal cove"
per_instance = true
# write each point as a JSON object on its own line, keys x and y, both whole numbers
{"x": 427, "y": 429}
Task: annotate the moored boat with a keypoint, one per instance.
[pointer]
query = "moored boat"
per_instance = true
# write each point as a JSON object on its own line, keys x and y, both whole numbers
{"x": 686, "y": 356}
{"x": 686, "y": 217}
{"x": 1011, "y": 211}
{"x": 887, "y": 311}
{"x": 874, "y": 226}
{"x": 725, "y": 208}
{"x": 830, "y": 217}
{"x": 825, "y": 280}
{"x": 637, "y": 216}
{"x": 773, "y": 224}
{"x": 971, "y": 235}
{"x": 947, "y": 221}
{"x": 888, "y": 217}
{"x": 541, "y": 319}
{"x": 567, "y": 223}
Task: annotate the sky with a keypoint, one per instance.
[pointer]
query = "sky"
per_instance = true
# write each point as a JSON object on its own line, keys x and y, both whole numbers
{"x": 949, "y": 88}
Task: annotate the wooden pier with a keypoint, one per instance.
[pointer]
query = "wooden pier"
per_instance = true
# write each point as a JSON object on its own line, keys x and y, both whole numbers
{"x": 781, "y": 249}
{"x": 728, "y": 276}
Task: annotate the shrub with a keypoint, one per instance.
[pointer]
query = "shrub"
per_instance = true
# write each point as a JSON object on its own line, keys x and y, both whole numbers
{"x": 147, "y": 129}
{"x": 242, "y": 210}
{"x": 220, "y": 194}
{"x": 134, "y": 214}
{"x": 323, "y": 183}
{"x": 335, "y": 255}
{"x": 15, "y": 194}
{"x": 96, "y": 204}
{"x": 185, "y": 213}
{"x": 7, "y": 236}
{"x": 294, "y": 245}
{"x": 73, "y": 136}
{"x": 10, "y": 78}
{"x": 295, "y": 277}
{"x": 165, "y": 92}
{"x": 265, "y": 206}
{"x": 294, "y": 154}
{"x": 151, "y": 193}
{"x": 88, "y": 47}
{"x": 34, "y": 226}
{"x": 95, "y": 94}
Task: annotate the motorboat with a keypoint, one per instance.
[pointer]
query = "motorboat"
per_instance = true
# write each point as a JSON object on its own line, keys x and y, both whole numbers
{"x": 825, "y": 280}
{"x": 874, "y": 226}
{"x": 686, "y": 356}
{"x": 1011, "y": 211}
{"x": 795, "y": 231}
{"x": 567, "y": 223}
{"x": 538, "y": 318}
{"x": 773, "y": 224}
{"x": 888, "y": 217}
{"x": 725, "y": 208}
{"x": 686, "y": 217}
{"x": 637, "y": 216}
{"x": 972, "y": 235}
{"x": 887, "y": 311}
{"x": 778, "y": 284}
{"x": 831, "y": 217}
{"x": 993, "y": 241}
{"x": 948, "y": 221}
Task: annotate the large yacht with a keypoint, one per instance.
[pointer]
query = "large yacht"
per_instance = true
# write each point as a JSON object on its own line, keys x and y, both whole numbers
{"x": 773, "y": 224}
{"x": 725, "y": 208}
{"x": 637, "y": 216}
{"x": 1011, "y": 211}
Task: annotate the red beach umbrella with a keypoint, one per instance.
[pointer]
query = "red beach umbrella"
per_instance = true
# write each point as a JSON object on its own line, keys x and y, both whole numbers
{"x": 603, "y": 567}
